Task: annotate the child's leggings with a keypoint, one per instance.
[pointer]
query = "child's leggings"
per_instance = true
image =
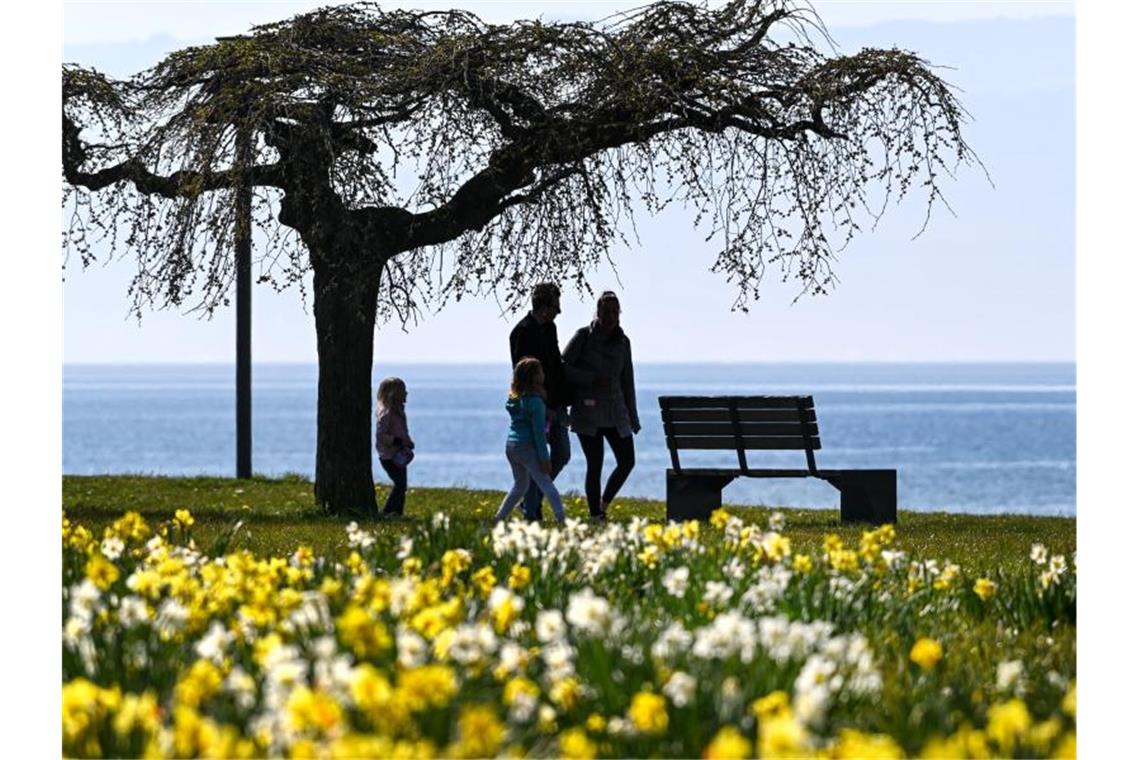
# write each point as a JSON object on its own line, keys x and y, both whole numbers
{"x": 525, "y": 467}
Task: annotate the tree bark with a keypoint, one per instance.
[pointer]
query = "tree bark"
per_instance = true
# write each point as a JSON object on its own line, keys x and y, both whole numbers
{"x": 344, "y": 308}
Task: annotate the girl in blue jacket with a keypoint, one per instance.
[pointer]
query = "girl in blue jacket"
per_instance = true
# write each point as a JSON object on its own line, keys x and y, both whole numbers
{"x": 527, "y": 450}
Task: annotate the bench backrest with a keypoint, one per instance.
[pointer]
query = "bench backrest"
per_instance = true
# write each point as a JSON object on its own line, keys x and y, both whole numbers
{"x": 740, "y": 423}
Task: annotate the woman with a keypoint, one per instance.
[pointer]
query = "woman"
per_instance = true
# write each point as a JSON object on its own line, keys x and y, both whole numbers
{"x": 600, "y": 367}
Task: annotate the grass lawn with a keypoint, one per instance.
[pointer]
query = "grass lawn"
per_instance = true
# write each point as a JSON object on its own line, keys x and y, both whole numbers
{"x": 278, "y": 514}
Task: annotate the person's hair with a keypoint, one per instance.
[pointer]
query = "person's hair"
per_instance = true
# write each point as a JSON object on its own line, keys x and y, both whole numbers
{"x": 386, "y": 392}
{"x": 525, "y": 377}
{"x": 544, "y": 294}
{"x": 607, "y": 295}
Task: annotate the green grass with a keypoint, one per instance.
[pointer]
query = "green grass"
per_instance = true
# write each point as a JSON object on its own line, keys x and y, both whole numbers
{"x": 278, "y": 514}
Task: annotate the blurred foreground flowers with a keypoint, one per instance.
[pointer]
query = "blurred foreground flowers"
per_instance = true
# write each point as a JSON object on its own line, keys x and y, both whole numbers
{"x": 630, "y": 639}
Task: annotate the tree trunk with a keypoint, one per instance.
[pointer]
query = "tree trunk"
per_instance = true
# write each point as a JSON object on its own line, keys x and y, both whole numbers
{"x": 344, "y": 308}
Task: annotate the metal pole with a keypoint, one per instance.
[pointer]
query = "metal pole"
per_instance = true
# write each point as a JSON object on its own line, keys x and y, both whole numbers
{"x": 242, "y": 245}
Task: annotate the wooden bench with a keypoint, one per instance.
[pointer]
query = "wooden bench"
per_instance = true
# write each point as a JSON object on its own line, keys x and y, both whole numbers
{"x": 749, "y": 423}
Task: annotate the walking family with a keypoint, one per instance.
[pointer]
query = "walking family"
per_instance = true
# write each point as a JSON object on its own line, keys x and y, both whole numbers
{"x": 593, "y": 377}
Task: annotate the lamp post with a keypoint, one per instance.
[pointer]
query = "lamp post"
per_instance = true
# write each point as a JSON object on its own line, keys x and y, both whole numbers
{"x": 242, "y": 245}
{"x": 243, "y": 148}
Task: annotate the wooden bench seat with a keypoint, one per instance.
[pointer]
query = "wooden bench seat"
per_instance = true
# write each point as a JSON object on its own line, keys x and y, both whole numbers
{"x": 759, "y": 423}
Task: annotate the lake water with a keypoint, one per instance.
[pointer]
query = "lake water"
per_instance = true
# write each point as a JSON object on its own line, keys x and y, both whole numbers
{"x": 977, "y": 438}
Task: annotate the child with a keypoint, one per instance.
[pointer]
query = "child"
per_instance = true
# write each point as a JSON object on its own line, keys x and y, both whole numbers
{"x": 527, "y": 451}
{"x": 393, "y": 443}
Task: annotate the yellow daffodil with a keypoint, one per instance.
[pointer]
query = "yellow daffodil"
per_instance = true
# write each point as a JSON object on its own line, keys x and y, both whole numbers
{"x": 481, "y": 733}
{"x": 782, "y": 737}
{"x": 361, "y": 633}
{"x": 984, "y": 588}
{"x": 926, "y": 653}
{"x": 856, "y": 745}
{"x": 774, "y": 705}
{"x": 520, "y": 577}
{"x": 484, "y": 580}
{"x": 101, "y": 572}
{"x": 648, "y": 713}
{"x": 1007, "y": 723}
{"x": 728, "y": 744}
{"x": 575, "y": 744}
{"x": 1069, "y": 702}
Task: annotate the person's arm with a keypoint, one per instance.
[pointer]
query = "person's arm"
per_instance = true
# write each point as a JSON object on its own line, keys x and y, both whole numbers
{"x": 384, "y": 435}
{"x": 555, "y": 370}
{"x": 537, "y": 411}
{"x": 514, "y": 342}
{"x": 627, "y": 389}
{"x": 407, "y": 436}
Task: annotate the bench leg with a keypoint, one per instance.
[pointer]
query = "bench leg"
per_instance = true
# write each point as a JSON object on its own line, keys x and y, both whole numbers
{"x": 693, "y": 497}
{"x": 868, "y": 496}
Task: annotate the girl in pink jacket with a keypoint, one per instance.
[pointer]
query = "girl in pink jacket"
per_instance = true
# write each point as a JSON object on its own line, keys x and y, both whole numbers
{"x": 393, "y": 443}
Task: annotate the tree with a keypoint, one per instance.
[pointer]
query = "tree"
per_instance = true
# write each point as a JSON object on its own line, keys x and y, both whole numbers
{"x": 530, "y": 143}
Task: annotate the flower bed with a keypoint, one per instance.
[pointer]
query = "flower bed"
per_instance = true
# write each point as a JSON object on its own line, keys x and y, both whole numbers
{"x": 629, "y": 640}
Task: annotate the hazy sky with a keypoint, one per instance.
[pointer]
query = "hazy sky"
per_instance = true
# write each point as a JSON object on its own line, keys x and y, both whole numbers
{"x": 992, "y": 281}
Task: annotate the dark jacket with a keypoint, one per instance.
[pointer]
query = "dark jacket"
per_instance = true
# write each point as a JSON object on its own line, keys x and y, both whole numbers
{"x": 589, "y": 357}
{"x": 529, "y": 338}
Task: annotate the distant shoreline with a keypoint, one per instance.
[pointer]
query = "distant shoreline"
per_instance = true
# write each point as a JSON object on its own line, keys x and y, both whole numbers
{"x": 648, "y": 363}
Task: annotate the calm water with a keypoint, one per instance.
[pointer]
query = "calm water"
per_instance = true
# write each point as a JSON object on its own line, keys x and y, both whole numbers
{"x": 979, "y": 438}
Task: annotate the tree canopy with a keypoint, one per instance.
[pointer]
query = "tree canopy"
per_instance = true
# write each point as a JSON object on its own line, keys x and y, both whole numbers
{"x": 491, "y": 155}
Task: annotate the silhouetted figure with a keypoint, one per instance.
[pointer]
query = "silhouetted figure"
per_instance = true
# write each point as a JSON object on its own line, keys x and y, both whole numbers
{"x": 527, "y": 450}
{"x": 535, "y": 335}
{"x": 393, "y": 443}
{"x": 599, "y": 367}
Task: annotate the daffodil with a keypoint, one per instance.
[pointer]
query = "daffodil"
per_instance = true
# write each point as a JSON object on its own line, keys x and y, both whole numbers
{"x": 728, "y": 744}
{"x": 926, "y": 653}
{"x": 575, "y": 744}
{"x": 1007, "y": 723}
{"x": 648, "y": 714}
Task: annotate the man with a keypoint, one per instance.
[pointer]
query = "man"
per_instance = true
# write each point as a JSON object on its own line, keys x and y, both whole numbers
{"x": 535, "y": 335}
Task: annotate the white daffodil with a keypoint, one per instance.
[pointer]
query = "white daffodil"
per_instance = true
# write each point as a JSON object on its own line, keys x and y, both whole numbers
{"x": 676, "y": 581}
{"x": 1009, "y": 674}
{"x": 680, "y": 688}
{"x": 672, "y": 641}
{"x": 215, "y": 643}
{"x": 549, "y": 626}
{"x": 588, "y": 613}
{"x": 717, "y": 593}
{"x": 411, "y": 649}
{"x": 132, "y": 611}
{"x": 112, "y": 547}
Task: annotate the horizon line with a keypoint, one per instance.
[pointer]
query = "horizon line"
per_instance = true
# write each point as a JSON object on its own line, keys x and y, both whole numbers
{"x": 489, "y": 362}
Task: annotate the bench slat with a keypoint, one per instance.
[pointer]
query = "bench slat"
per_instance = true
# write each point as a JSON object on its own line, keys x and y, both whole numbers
{"x": 746, "y": 415}
{"x": 749, "y": 441}
{"x": 750, "y": 472}
{"x": 746, "y": 428}
{"x": 743, "y": 402}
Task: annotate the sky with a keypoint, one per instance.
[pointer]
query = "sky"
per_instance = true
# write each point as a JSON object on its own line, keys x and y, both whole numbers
{"x": 991, "y": 280}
